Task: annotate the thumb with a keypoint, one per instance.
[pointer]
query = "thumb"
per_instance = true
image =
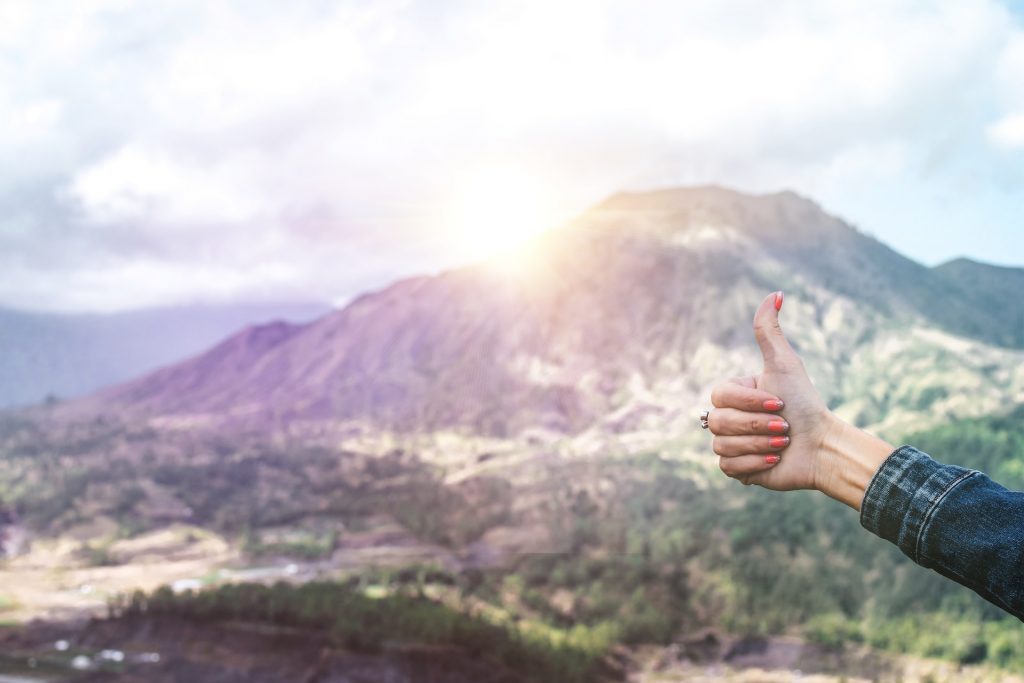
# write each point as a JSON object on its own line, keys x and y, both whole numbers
{"x": 768, "y": 332}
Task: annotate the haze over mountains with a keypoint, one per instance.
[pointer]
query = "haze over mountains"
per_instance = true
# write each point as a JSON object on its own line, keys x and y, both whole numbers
{"x": 619, "y": 323}
{"x": 64, "y": 356}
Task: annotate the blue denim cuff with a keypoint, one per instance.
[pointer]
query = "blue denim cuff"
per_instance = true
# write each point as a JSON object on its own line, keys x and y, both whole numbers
{"x": 904, "y": 494}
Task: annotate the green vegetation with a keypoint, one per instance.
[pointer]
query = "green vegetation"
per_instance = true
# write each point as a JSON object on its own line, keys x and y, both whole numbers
{"x": 97, "y": 554}
{"x": 7, "y": 603}
{"x": 661, "y": 555}
{"x": 994, "y": 445}
{"x": 454, "y": 516}
{"x": 998, "y": 642}
{"x": 351, "y": 618}
{"x": 58, "y": 476}
{"x": 307, "y": 547}
{"x": 662, "y": 551}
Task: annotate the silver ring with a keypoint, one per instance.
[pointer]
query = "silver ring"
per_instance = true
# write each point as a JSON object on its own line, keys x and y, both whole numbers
{"x": 704, "y": 419}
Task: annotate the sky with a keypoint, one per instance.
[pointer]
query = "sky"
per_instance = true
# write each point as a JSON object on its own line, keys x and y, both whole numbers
{"x": 203, "y": 151}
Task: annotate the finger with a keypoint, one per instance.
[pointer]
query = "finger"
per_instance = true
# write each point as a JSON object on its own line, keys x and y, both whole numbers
{"x": 731, "y": 446}
{"x": 768, "y": 331}
{"x": 744, "y": 465}
{"x": 750, "y": 381}
{"x": 732, "y": 395}
{"x": 732, "y": 422}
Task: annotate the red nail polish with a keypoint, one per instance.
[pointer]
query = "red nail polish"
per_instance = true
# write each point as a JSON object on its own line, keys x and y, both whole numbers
{"x": 778, "y": 441}
{"x": 777, "y": 426}
{"x": 772, "y": 404}
{"x": 771, "y": 459}
{"x": 778, "y": 300}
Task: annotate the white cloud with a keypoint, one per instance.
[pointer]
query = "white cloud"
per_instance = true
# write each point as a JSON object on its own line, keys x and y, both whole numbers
{"x": 1008, "y": 131}
{"x": 236, "y": 140}
{"x": 140, "y": 186}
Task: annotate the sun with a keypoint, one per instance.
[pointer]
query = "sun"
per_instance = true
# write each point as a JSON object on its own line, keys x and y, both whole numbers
{"x": 495, "y": 213}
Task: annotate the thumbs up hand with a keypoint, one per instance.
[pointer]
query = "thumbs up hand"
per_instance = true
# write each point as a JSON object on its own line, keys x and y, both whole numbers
{"x": 781, "y": 451}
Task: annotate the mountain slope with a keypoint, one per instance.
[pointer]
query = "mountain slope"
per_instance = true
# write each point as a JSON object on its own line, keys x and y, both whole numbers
{"x": 69, "y": 355}
{"x": 624, "y": 318}
{"x": 995, "y": 292}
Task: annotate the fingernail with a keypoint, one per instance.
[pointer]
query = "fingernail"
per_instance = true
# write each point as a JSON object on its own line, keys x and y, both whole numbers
{"x": 773, "y": 404}
{"x": 778, "y": 300}
{"x": 771, "y": 459}
{"x": 777, "y": 426}
{"x": 778, "y": 441}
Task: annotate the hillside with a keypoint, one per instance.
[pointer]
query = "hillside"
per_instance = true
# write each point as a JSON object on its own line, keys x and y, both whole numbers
{"x": 995, "y": 293}
{"x": 62, "y": 356}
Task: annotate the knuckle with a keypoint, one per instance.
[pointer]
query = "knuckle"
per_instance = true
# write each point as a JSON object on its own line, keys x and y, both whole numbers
{"x": 754, "y": 425}
{"x": 725, "y": 466}
{"x": 716, "y": 445}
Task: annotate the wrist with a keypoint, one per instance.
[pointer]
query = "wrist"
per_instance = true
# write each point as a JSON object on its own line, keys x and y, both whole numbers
{"x": 847, "y": 460}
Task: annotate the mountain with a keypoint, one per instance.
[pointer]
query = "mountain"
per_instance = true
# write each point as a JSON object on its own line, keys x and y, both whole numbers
{"x": 63, "y": 355}
{"x": 616, "y": 323}
{"x": 994, "y": 291}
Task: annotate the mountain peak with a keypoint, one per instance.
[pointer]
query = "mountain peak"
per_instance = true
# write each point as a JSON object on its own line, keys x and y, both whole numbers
{"x": 712, "y": 213}
{"x": 963, "y": 264}
{"x": 675, "y": 198}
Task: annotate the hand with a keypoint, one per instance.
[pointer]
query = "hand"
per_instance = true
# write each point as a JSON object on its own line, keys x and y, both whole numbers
{"x": 784, "y": 451}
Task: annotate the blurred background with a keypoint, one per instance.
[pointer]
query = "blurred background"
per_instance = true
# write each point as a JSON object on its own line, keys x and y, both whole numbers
{"x": 350, "y": 341}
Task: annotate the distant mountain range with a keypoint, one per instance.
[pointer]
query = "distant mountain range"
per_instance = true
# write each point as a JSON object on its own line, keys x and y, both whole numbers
{"x": 63, "y": 356}
{"x": 620, "y": 323}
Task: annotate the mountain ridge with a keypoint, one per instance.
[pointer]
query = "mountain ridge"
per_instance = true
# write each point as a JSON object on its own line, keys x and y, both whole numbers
{"x": 991, "y": 287}
{"x": 613, "y": 324}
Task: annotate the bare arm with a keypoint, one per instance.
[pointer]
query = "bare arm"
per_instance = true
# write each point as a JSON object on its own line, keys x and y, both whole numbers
{"x": 849, "y": 459}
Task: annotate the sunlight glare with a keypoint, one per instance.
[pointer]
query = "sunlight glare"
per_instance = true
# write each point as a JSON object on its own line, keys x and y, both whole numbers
{"x": 496, "y": 214}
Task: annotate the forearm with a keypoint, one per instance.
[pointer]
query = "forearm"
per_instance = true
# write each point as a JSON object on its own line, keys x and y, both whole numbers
{"x": 849, "y": 458}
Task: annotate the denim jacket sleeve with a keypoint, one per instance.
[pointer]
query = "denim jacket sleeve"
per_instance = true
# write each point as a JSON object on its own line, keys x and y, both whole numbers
{"x": 953, "y": 520}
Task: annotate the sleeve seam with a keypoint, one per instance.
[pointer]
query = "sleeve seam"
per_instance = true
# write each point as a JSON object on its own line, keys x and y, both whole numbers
{"x": 926, "y": 521}
{"x": 868, "y": 500}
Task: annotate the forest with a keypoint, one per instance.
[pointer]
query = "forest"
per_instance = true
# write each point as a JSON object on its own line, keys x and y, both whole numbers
{"x": 661, "y": 558}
